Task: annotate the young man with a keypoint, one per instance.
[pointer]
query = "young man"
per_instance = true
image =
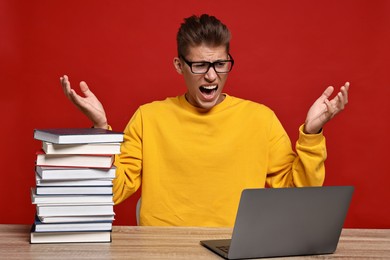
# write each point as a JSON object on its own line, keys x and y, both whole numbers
{"x": 195, "y": 153}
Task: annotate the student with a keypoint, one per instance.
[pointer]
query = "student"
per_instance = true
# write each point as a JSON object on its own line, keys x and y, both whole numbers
{"x": 195, "y": 153}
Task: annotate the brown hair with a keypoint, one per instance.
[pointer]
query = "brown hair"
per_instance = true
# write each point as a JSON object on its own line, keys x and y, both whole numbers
{"x": 197, "y": 30}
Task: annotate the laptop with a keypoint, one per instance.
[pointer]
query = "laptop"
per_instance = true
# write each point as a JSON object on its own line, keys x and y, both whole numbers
{"x": 286, "y": 222}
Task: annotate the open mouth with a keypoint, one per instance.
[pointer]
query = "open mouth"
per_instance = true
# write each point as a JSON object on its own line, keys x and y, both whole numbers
{"x": 208, "y": 89}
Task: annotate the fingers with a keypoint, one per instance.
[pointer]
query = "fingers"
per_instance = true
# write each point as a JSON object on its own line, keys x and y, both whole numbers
{"x": 337, "y": 104}
{"x": 344, "y": 91}
{"x": 65, "y": 85}
{"x": 85, "y": 89}
{"x": 330, "y": 108}
{"x": 342, "y": 96}
{"x": 76, "y": 99}
{"x": 69, "y": 92}
{"x": 346, "y": 85}
{"x": 328, "y": 91}
{"x": 64, "y": 80}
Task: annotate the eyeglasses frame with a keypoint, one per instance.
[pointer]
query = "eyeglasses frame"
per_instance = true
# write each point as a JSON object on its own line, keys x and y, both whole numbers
{"x": 210, "y": 64}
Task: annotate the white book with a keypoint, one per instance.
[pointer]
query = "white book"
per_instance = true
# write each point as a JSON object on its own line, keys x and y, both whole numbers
{"x": 75, "y": 160}
{"x": 70, "y": 237}
{"x": 70, "y": 199}
{"x": 57, "y": 190}
{"x": 61, "y": 227}
{"x": 92, "y": 148}
{"x": 74, "y": 210}
{"x": 71, "y": 219}
{"x": 66, "y": 173}
{"x": 78, "y": 135}
{"x": 82, "y": 182}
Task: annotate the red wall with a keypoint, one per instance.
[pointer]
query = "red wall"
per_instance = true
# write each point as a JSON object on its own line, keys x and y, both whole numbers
{"x": 286, "y": 53}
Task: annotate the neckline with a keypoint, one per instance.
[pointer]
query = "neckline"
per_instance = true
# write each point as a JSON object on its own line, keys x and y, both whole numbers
{"x": 223, "y": 104}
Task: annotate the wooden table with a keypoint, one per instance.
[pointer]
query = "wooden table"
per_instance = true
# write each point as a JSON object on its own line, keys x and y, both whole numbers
{"x": 131, "y": 242}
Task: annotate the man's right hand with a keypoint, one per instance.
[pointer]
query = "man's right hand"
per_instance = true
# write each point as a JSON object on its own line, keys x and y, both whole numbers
{"x": 88, "y": 104}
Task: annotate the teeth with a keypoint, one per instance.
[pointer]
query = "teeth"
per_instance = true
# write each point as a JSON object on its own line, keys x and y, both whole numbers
{"x": 209, "y": 87}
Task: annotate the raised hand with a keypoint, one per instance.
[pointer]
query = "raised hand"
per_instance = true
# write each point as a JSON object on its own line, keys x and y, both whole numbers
{"x": 324, "y": 109}
{"x": 88, "y": 103}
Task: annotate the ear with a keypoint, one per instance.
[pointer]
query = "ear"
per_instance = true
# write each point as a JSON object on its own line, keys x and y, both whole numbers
{"x": 178, "y": 65}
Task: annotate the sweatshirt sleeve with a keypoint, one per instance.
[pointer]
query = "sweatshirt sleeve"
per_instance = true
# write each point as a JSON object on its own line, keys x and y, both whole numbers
{"x": 287, "y": 168}
{"x": 129, "y": 161}
{"x": 309, "y": 166}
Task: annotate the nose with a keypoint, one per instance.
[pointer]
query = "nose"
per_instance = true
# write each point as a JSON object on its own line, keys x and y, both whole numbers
{"x": 211, "y": 74}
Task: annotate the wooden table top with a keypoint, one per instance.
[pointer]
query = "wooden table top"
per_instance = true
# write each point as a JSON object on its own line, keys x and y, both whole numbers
{"x": 134, "y": 242}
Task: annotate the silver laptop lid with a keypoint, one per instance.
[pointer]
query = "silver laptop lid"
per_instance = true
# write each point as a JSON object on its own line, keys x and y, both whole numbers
{"x": 289, "y": 221}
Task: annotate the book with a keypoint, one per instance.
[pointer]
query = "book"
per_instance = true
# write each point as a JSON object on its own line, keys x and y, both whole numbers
{"x": 89, "y": 148}
{"x": 82, "y": 182}
{"x": 75, "y": 226}
{"x": 70, "y": 199}
{"x": 57, "y": 210}
{"x": 69, "y": 237}
{"x": 74, "y": 175}
{"x": 77, "y": 135}
{"x": 65, "y": 173}
{"x": 69, "y": 219}
{"x": 48, "y": 190}
{"x": 75, "y": 160}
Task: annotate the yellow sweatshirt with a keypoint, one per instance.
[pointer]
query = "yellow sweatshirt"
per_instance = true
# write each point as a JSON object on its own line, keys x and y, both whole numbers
{"x": 193, "y": 165}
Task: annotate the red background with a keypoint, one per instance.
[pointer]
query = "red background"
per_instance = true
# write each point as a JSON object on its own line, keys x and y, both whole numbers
{"x": 286, "y": 53}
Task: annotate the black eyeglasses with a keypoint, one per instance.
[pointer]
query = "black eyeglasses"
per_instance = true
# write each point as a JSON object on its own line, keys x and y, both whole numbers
{"x": 202, "y": 67}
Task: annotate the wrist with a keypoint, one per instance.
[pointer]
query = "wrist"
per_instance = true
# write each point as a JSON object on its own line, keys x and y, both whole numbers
{"x": 103, "y": 126}
{"x": 311, "y": 131}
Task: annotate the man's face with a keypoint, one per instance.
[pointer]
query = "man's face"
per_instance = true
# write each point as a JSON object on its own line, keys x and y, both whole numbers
{"x": 203, "y": 90}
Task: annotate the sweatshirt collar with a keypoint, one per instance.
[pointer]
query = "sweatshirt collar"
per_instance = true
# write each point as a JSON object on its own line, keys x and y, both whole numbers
{"x": 225, "y": 103}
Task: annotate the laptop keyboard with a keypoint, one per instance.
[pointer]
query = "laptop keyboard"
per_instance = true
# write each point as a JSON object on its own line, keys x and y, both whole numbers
{"x": 224, "y": 248}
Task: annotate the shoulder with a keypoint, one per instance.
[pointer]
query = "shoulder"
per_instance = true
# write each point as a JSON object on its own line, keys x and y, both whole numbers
{"x": 160, "y": 104}
{"x": 154, "y": 110}
{"x": 250, "y": 106}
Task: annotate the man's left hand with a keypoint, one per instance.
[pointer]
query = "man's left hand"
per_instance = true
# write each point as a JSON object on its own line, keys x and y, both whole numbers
{"x": 324, "y": 109}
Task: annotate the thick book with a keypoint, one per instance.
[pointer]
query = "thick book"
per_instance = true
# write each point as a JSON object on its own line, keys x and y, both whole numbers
{"x": 69, "y": 237}
{"x": 70, "y": 199}
{"x": 91, "y": 148}
{"x": 72, "y": 173}
{"x": 77, "y": 135}
{"x": 82, "y": 182}
{"x": 75, "y": 226}
{"x": 75, "y": 160}
{"x": 70, "y": 219}
{"x": 76, "y": 190}
{"x": 57, "y": 210}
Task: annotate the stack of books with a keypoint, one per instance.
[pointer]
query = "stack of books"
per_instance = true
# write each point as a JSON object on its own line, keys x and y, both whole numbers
{"x": 73, "y": 193}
